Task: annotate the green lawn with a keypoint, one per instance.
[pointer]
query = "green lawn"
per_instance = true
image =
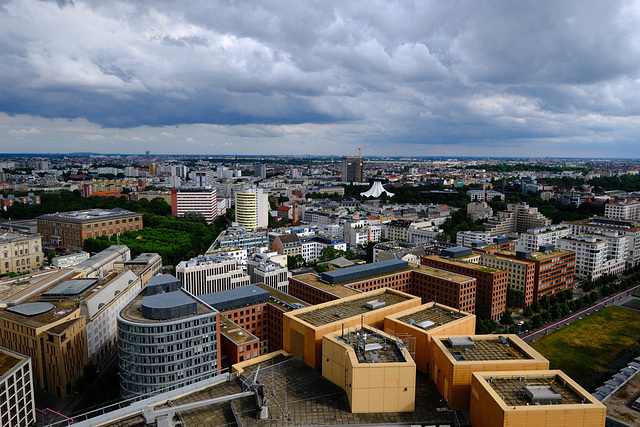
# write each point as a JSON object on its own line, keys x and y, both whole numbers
{"x": 591, "y": 343}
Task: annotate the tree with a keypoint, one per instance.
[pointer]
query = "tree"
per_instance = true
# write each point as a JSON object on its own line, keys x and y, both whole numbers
{"x": 546, "y": 316}
{"x": 192, "y": 216}
{"x": 528, "y": 311}
{"x": 536, "y": 306}
{"x": 507, "y": 318}
{"x": 536, "y": 321}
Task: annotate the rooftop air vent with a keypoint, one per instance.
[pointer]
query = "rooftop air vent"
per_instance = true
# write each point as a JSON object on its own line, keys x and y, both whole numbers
{"x": 542, "y": 394}
{"x": 425, "y": 324}
{"x": 461, "y": 342}
{"x": 375, "y": 304}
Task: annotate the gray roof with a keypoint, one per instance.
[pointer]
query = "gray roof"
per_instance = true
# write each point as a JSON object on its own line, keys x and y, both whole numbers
{"x": 70, "y": 288}
{"x": 237, "y": 297}
{"x": 31, "y": 309}
{"x": 361, "y": 271}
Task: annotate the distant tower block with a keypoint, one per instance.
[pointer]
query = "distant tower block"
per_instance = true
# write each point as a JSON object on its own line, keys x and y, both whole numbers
{"x": 146, "y": 153}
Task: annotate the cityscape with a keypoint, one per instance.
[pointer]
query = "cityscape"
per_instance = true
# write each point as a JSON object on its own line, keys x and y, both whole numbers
{"x": 202, "y": 290}
{"x": 276, "y": 213}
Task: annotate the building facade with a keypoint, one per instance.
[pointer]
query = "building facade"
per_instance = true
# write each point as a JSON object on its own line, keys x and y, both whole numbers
{"x": 200, "y": 200}
{"x": 166, "y": 340}
{"x": 491, "y": 287}
{"x": 20, "y": 252}
{"x": 251, "y": 208}
{"x": 351, "y": 169}
{"x": 211, "y": 273}
{"x": 17, "y": 403}
{"x": 69, "y": 229}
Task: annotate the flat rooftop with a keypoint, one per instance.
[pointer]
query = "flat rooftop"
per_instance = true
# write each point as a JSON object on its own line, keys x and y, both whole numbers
{"x": 7, "y": 361}
{"x": 347, "y": 309}
{"x": 437, "y": 315}
{"x": 447, "y": 275}
{"x": 512, "y": 390}
{"x": 280, "y": 299}
{"x": 341, "y": 290}
{"x": 235, "y": 333}
{"x": 540, "y": 256}
{"x": 299, "y": 395}
{"x": 132, "y": 312}
{"x": 371, "y": 347}
{"x": 491, "y": 349}
{"x": 463, "y": 264}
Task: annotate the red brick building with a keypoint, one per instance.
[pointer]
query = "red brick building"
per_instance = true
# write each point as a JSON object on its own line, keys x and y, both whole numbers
{"x": 429, "y": 284}
{"x": 491, "y": 286}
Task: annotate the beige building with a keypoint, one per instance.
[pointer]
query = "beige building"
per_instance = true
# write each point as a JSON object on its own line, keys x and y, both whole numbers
{"x": 518, "y": 218}
{"x": 416, "y": 327}
{"x": 373, "y": 368}
{"x": 532, "y": 399}
{"x": 20, "y": 252}
{"x": 303, "y": 329}
{"x": 522, "y": 273}
{"x": 455, "y": 358}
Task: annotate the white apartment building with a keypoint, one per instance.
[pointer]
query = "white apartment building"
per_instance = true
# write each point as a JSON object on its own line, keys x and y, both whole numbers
{"x": 17, "y": 402}
{"x": 100, "y": 310}
{"x": 536, "y": 237}
{"x": 484, "y": 196}
{"x": 630, "y": 229}
{"x": 360, "y": 233}
{"x": 422, "y": 234}
{"x": 623, "y": 210}
{"x": 238, "y": 254}
{"x": 312, "y": 248}
{"x": 203, "y": 201}
{"x": 211, "y": 273}
{"x": 263, "y": 270}
{"x": 596, "y": 255}
{"x": 467, "y": 238}
{"x": 518, "y": 218}
{"x": 71, "y": 260}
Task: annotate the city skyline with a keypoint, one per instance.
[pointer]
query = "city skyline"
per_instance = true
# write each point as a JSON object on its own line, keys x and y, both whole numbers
{"x": 484, "y": 79}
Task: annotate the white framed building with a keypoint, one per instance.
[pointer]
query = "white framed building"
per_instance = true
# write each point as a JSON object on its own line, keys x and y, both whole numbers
{"x": 623, "y": 210}
{"x": 201, "y": 200}
{"x": 211, "y": 273}
{"x": 467, "y": 238}
{"x": 596, "y": 225}
{"x": 167, "y": 340}
{"x": 17, "y": 402}
{"x": 263, "y": 270}
{"x": 536, "y": 237}
{"x": 596, "y": 255}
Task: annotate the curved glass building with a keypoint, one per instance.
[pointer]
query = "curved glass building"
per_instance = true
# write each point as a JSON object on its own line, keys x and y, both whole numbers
{"x": 167, "y": 339}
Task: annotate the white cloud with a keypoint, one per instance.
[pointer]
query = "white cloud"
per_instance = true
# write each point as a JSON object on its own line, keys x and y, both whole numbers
{"x": 25, "y": 132}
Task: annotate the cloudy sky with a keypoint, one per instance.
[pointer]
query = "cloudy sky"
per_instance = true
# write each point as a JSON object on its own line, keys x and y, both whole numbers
{"x": 423, "y": 78}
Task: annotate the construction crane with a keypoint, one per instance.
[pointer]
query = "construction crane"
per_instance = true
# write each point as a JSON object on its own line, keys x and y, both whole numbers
{"x": 360, "y": 151}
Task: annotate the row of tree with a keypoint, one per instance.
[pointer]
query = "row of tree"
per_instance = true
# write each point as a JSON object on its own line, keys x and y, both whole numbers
{"x": 65, "y": 201}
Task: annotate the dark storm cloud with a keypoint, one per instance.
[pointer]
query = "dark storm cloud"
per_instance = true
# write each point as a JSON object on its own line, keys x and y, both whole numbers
{"x": 404, "y": 72}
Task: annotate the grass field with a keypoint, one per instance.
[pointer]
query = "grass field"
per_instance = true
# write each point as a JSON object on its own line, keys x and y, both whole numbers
{"x": 591, "y": 343}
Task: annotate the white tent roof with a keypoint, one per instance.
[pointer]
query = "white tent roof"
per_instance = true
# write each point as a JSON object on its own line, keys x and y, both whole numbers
{"x": 376, "y": 190}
